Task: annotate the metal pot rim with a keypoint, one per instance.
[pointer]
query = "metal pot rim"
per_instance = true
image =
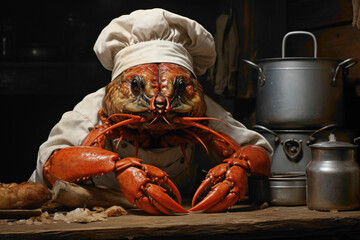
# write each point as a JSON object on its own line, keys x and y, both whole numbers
{"x": 332, "y": 147}
{"x": 300, "y": 131}
{"x": 297, "y": 59}
{"x": 291, "y": 176}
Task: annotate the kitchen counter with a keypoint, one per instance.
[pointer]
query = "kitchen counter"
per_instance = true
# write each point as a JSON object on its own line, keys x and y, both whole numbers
{"x": 240, "y": 222}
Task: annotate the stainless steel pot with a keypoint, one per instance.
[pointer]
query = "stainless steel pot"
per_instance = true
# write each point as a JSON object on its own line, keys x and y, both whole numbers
{"x": 288, "y": 189}
{"x": 300, "y": 92}
{"x": 291, "y": 147}
{"x": 333, "y": 177}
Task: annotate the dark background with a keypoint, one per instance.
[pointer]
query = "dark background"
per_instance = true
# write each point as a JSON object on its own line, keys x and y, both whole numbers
{"x": 47, "y": 64}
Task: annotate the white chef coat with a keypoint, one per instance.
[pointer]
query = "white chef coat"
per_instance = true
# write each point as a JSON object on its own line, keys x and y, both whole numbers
{"x": 76, "y": 124}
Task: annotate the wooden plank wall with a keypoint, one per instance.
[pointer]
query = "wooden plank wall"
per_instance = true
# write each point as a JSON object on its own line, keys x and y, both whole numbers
{"x": 331, "y": 22}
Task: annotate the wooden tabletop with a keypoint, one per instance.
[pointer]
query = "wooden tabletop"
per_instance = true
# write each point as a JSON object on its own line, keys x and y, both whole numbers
{"x": 240, "y": 222}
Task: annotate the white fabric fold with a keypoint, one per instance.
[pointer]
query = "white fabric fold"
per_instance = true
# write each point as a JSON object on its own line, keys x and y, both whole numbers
{"x": 155, "y": 35}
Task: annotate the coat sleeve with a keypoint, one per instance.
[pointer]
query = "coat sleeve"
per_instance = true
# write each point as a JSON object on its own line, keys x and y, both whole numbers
{"x": 234, "y": 128}
{"x": 70, "y": 130}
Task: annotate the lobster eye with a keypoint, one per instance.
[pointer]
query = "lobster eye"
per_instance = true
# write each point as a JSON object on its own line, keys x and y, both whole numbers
{"x": 137, "y": 83}
{"x": 180, "y": 84}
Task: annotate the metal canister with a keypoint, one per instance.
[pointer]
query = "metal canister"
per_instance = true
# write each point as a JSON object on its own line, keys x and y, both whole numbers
{"x": 333, "y": 176}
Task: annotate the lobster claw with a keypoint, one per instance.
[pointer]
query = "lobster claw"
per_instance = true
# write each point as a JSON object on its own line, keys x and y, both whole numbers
{"x": 137, "y": 180}
{"x": 228, "y": 181}
{"x": 228, "y": 185}
{"x": 156, "y": 201}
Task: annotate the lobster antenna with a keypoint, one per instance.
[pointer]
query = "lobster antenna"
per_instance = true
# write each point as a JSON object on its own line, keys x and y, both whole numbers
{"x": 197, "y": 138}
{"x": 198, "y": 125}
{"x": 119, "y": 124}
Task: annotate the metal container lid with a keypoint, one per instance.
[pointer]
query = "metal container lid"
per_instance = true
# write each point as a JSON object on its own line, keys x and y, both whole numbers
{"x": 333, "y": 144}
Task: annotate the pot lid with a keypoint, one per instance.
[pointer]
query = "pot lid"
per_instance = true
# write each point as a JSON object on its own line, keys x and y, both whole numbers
{"x": 333, "y": 144}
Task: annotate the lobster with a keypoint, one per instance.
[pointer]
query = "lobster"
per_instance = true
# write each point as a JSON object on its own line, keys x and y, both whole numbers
{"x": 151, "y": 106}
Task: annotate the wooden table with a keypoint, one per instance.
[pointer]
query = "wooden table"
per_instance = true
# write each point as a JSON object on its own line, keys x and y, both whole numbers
{"x": 240, "y": 222}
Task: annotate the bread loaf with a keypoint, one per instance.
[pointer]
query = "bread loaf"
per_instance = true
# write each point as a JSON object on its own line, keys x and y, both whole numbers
{"x": 23, "y": 195}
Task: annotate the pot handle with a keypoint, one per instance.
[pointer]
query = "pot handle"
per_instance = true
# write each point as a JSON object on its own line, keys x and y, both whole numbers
{"x": 345, "y": 64}
{"x": 277, "y": 137}
{"x": 312, "y": 139}
{"x": 299, "y": 32}
{"x": 292, "y": 148}
{"x": 261, "y": 77}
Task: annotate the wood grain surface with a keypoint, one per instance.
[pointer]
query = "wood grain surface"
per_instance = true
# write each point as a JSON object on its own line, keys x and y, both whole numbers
{"x": 240, "y": 222}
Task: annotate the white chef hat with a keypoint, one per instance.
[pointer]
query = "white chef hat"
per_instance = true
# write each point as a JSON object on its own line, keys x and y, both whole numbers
{"x": 151, "y": 36}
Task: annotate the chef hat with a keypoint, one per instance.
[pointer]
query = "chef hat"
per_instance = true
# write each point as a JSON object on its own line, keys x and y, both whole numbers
{"x": 151, "y": 36}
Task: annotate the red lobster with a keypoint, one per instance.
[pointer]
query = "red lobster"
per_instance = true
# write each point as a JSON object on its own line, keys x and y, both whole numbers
{"x": 158, "y": 105}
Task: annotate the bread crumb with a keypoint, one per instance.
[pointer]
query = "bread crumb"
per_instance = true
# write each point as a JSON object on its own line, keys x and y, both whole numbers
{"x": 98, "y": 209}
{"x": 115, "y": 211}
{"x": 81, "y": 215}
{"x": 38, "y": 220}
